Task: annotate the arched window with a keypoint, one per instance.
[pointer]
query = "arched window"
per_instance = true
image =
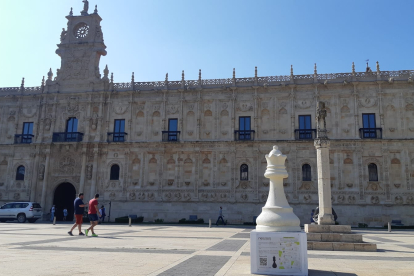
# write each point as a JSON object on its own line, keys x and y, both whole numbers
{"x": 244, "y": 172}
{"x": 306, "y": 173}
{"x": 373, "y": 172}
{"x": 114, "y": 172}
{"x": 20, "y": 173}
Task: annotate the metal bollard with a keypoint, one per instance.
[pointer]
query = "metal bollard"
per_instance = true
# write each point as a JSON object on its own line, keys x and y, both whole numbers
{"x": 130, "y": 221}
{"x": 209, "y": 223}
{"x": 54, "y": 220}
{"x": 389, "y": 227}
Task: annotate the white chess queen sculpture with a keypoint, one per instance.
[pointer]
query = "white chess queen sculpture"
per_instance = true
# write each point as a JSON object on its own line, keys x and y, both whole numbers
{"x": 277, "y": 215}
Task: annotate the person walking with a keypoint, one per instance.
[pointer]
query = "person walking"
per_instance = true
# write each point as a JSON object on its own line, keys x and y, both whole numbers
{"x": 93, "y": 215}
{"x": 65, "y": 214}
{"x": 79, "y": 209}
{"x": 103, "y": 214}
{"x": 220, "y": 217}
{"x": 52, "y": 213}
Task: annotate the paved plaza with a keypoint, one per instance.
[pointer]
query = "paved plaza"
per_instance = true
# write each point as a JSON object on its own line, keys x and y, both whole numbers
{"x": 46, "y": 249}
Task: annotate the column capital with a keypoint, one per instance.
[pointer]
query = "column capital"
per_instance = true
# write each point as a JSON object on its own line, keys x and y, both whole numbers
{"x": 322, "y": 143}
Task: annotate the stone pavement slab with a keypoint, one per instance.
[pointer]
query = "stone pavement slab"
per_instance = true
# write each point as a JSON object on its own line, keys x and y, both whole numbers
{"x": 45, "y": 249}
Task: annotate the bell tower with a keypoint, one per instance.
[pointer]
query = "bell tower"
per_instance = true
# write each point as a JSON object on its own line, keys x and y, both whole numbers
{"x": 81, "y": 47}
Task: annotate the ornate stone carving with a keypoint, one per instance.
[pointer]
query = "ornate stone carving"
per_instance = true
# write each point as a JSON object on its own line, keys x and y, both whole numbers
{"x": 120, "y": 108}
{"x": 373, "y": 186}
{"x": 341, "y": 198}
{"x": 375, "y": 200}
{"x": 131, "y": 196}
{"x": 89, "y": 169}
{"x": 41, "y": 172}
{"x": 307, "y": 198}
{"x": 397, "y": 185}
{"x": 16, "y": 196}
{"x": 368, "y": 102}
{"x": 399, "y": 200}
{"x": 351, "y": 199}
{"x": 321, "y": 120}
{"x": 247, "y": 106}
{"x": 304, "y": 103}
{"x": 349, "y": 185}
{"x": 244, "y": 197}
{"x": 172, "y": 109}
{"x": 66, "y": 165}
{"x": 410, "y": 200}
{"x": 112, "y": 196}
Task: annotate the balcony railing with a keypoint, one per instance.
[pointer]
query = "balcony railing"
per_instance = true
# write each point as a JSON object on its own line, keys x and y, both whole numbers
{"x": 244, "y": 135}
{"x": 171, "y": 136}
{"x": 59, "y": 137}
{"x": 305, "y": 134}
{"x": 23, "y": 138}
{"x": 117, "y": 136}
{"x": 370, "y": 133}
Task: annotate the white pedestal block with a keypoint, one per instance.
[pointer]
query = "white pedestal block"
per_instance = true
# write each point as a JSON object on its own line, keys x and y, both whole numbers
{"x": 278, "y": 253}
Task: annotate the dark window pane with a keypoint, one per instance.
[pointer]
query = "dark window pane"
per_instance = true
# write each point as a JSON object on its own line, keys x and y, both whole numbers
{"x": 72, "y": 125}
{"x": 114, "y": 172}
{"x": 119, "y": 126}
{"x": 20, "y": 173}
{"x": 306, "y": 173}
{"x": 172, "y": 124}
{"x": 305, "y": 122}
{"x": 244, "y": 172}
{"x": 373, "y": 172}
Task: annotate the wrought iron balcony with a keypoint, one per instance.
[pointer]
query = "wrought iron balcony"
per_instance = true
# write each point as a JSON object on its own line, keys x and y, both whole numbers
{"x": 305, "y": 134}
{"x": 370, "y": 133}
{"x": 117, "y": 136}
{"x": 244, "y": 135}
{"x": 59, "y": 137}
{"x": 23, "y": 138}
{"x": 171, "y": 136}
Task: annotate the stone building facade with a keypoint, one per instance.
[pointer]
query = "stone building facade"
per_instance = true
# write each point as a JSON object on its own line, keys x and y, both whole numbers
{"x": 170, "y": 149}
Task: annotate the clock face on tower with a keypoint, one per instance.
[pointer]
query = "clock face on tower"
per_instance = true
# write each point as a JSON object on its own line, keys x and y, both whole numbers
{"x": 81, "y": 30}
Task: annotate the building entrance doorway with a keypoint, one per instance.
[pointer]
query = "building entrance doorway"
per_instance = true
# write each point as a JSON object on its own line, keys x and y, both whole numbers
{"x": 64, "y": 197}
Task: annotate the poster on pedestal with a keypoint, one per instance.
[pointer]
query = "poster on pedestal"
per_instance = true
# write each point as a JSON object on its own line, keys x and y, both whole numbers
{"x": 278, "y": 253}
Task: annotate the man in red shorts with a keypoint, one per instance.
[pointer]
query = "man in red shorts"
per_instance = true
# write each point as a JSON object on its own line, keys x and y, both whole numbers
{"x": 93, "y": 214}
{"x": 79, "y": 209}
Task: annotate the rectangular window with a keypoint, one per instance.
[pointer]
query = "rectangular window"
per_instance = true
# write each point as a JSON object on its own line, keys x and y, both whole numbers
{"x": 305, "y": 127}
{"x": 172, "y": 129}
{"x": 369, "y": 125}
{"x": 305, "y": 122}
{"x": 244, "y": 128}
{"x": 71, "y": 127}
{"x": 368, "y": 120}
{"x": 119, "y": 130}
{"x": 27, "y": 132}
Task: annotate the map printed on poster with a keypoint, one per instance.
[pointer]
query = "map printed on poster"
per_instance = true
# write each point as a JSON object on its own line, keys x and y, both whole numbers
{"x": 281, "y": 253}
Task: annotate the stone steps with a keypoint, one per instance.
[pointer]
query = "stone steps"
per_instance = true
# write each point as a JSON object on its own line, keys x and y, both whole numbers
{"x": 336, "y": 238}
{"x": 342, "y": 246}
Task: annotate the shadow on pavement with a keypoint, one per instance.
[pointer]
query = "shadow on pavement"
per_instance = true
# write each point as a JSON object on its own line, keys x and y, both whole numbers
{"x": 313, "y": 272}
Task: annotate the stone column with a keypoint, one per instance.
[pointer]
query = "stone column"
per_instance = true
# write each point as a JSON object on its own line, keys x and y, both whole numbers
{"x": 43, "y": 201}
{"x": 83, "y": 170}
{"x": 94, "y": 172}
{"x": 324, "y": 182}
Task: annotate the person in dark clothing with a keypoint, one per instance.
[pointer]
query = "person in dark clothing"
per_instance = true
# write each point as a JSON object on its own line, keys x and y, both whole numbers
{"x": 79, "y": 209}
{"x": 220, "y": 216}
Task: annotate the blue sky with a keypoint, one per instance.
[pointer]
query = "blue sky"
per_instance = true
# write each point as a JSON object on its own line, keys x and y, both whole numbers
{"x": 154, "y": 37}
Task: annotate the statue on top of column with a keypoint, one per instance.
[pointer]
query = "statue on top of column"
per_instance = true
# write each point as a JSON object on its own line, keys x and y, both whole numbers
{"x": 85, "y": 7}
{"x": 321, "y": 120}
